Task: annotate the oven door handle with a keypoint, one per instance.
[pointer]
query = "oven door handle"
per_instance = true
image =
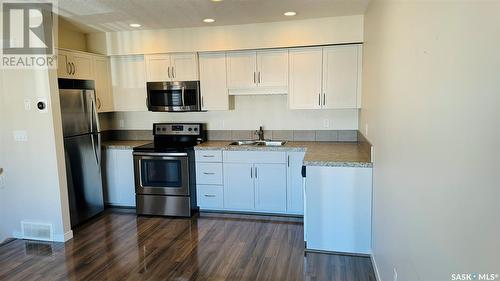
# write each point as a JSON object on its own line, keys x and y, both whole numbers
{"x": 153, "y": 155}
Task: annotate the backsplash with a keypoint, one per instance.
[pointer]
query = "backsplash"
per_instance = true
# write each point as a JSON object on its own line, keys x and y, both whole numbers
{"x": 289, "y": 135}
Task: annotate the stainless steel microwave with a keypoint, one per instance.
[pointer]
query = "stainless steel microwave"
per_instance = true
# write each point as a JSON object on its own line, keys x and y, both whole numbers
{"x": 178, "y": 96}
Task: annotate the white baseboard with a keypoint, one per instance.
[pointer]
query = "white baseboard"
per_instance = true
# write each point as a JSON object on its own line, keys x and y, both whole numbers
{"x": 375, "y": 267}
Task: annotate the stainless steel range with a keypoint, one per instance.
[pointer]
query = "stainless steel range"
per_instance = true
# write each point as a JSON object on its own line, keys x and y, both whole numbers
{"x": 165, "y": 180}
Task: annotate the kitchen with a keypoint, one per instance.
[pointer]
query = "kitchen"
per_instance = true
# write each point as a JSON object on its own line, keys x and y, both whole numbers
{"x": 243, "y": 149}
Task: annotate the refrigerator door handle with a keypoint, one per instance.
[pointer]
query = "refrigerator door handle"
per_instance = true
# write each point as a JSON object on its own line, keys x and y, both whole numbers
{"x": 96, "y": 153}
{"x": 94, "y": 121}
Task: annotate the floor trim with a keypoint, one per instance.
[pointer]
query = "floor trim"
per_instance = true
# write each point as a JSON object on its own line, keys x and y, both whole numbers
{"x": 337, "y": 253}
{"x": 375, "y": 268}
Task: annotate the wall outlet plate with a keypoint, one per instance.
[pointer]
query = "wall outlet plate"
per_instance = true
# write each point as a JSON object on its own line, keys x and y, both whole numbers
{"x": 20, "y": 135}
{"x": 27, "y": 104}
{"x": 326, "y": 123}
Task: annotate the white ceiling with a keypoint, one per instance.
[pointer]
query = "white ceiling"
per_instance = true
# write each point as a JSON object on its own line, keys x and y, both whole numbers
{"x": 116, "y": 15}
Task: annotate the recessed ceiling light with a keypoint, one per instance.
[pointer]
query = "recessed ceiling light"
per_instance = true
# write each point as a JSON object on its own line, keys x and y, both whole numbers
{"x": 216, "y": 0}
{"x": 134, "y": 25}
{"x": 290, "y": 14}
{"x": 208, "y": 20}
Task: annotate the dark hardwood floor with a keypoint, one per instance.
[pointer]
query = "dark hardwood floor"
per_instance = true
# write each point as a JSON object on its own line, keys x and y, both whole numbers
{"x": 121, "y": 246}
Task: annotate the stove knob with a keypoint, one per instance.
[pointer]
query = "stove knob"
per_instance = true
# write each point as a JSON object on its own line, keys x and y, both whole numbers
{"x": 190, "y": 129}
{"x": 195, "y": 129}
{"x": 158, "y": 129}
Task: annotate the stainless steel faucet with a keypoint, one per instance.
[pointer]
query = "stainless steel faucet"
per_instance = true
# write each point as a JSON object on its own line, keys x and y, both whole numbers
{"x": 260, "y": 133}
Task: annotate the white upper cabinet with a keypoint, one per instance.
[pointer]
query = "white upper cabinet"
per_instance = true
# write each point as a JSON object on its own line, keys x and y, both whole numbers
{"x": 158, "y": 68}
{"x": 104, "y": 95}
{"x": 341, "y": 76}
{"x": 184, "y": 66}
{"x": 258, "y": 72}
{"x": 129, "y": 83}
{"x": 241, "y": 70}
{"x": 273, "y": 69}
{"x": 172, "y": 67}
{"x": 74, "y": 65}
{"x": 327, "y": 77}
{"x": 213, "y": 84}
{"x": 305, "y": 78}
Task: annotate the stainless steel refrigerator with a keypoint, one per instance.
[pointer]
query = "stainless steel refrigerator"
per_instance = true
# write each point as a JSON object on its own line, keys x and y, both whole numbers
{"x": 82, "y": 145}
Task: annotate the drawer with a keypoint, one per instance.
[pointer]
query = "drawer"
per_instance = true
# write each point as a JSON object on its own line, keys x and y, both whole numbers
{"x": 209, "y": 173}
{"x": 276, "y": 157}
{"x": 208, "y": 155}
{"x": 210, "y": 197}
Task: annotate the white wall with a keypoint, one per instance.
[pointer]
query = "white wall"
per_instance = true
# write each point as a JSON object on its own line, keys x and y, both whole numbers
{"x": 431, "y": 109}
{"x": 35, "y": 187}
{"x": 249, "y": 113}
{"x": 322, "y": 31}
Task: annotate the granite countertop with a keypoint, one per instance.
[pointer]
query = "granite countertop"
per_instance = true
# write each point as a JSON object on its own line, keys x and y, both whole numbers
{"x": 335, "y": 154}
{"x": 124, "y": 144}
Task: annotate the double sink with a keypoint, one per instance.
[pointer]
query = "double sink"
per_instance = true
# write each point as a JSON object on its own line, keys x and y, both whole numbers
{"x": 259, "y": 142}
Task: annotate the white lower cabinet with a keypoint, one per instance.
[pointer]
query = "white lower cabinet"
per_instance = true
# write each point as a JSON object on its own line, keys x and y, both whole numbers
{"x": 270, "y": 187}
{"x": 239, "y": 189}
{"x": 118, "y": 170}
{"x": 210, "y": 196}
{"x": 294, "y": 183}
{"x": 252, "y": 181}
{"x": 338, "y": 206}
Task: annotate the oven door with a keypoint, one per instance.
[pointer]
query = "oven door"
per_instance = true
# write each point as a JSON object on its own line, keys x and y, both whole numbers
{"x": 173, "y": 96}
{"x": 161, "y": 173}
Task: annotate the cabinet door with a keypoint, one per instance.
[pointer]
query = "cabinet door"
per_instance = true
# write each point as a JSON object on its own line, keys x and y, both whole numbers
{"x": 158, "y": 68}
{"x": 213, "y": 84}
{"x": 238, "y": 186}
{"x": 338, "y": 209}
{"x": 270, "y": 187}
{"x": 102, "y": 73}
{"x": 129, "y": 83}
{"x": 119, "y": 177}
{"x": 63, "y": 68}
{"x": 340, "y": 76}
{"x": 241, "y": 70}
{"x": 305, "y": 78}
{"x": 272, "y": 69}
{"x": 295, "y": 192}
{"x": 184, "y": 67}
{"x": 82, "y": 64}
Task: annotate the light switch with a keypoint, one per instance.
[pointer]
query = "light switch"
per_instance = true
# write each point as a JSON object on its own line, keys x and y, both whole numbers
{"x": 21, "y": 135}
{"x": 27, "y": 104}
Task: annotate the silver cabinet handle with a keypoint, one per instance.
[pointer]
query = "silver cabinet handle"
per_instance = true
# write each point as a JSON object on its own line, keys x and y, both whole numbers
{"x": 254, "y": 77}
{"x": 208, "y": 156}
{"x": 182, "y": 95}
{"x": 74, "y": 68}
{"x": 202, "y": 104}
{"x": 319, "y": 99}
{"x": 208, "y": 173}
{"x": 259, "y": 78}
{"x": 67, "y": 68}
{"x": 168, "y": 72}
{"x": 173, "y": 72}
{"x": 288, "y": 161}
{"x": 210, "y": 195}
{"x": 251, "y": 172}
{"x": 255, "y": 172}
{"x": 324, "y": 98}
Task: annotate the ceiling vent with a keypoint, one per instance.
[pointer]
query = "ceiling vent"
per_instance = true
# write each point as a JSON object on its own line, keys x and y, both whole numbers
{"x": 37, "y": 231}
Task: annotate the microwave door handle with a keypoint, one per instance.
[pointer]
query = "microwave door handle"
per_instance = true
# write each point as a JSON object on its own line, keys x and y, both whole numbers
{"x": 182, "y": 93}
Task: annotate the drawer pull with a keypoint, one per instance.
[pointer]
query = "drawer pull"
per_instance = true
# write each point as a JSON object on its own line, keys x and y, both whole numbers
{"x": 208, "y": 156}
{"x": 208, "y": 173}
{"x": 210, "y": 195}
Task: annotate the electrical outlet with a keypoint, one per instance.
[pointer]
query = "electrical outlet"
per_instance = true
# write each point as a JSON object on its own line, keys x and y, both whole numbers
{"x": 121, "y": 123}
{"x": 326, "y": 123}
{"x": 395, "y": 275}
{"x": 20, "y": 136}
